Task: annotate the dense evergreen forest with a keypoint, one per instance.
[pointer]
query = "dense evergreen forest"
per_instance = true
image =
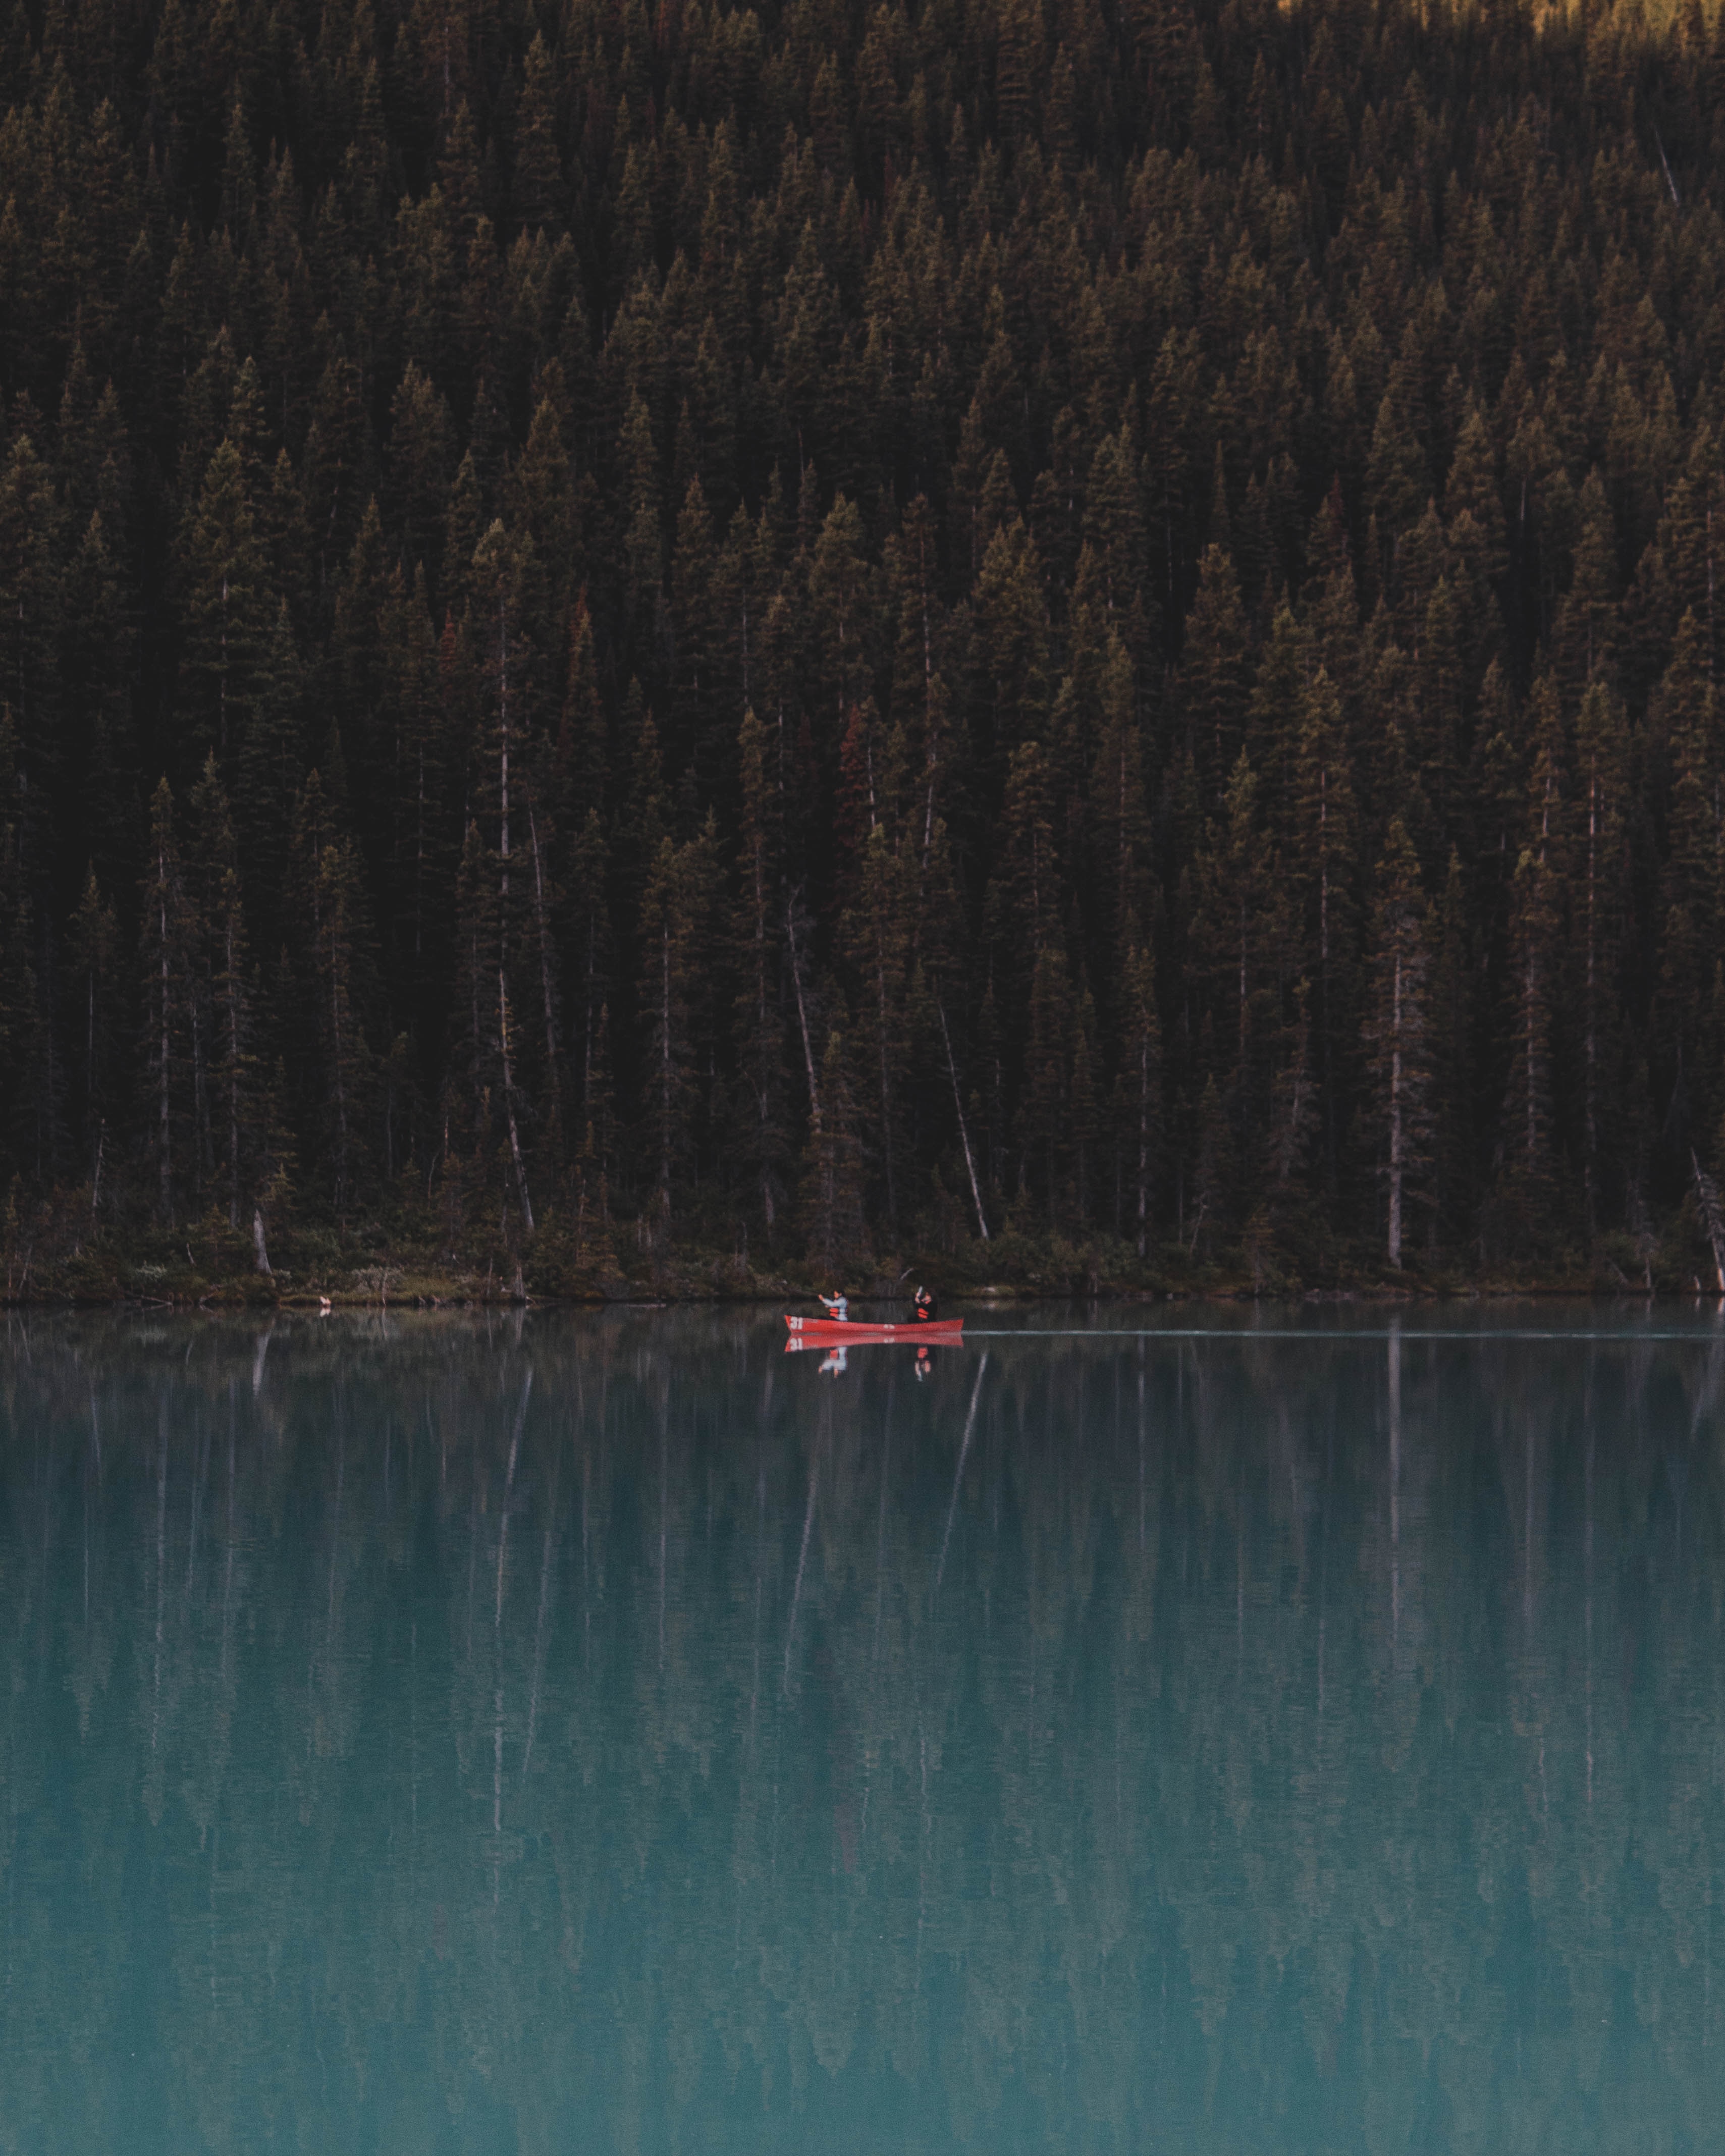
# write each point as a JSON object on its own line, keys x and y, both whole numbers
{"x": 1078, "y": 635}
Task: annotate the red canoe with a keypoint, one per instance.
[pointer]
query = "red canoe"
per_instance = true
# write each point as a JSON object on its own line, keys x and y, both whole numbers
{"x": 833, "y": 1332}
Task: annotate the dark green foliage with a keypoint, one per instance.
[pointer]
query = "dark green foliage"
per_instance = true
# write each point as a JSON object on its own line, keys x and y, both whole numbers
{"x": 886, "y": 606}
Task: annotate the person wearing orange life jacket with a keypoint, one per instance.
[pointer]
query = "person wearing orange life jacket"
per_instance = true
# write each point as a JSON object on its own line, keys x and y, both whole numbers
{"x": 927, "y": 1307}
{"x": 838, "y": 1304}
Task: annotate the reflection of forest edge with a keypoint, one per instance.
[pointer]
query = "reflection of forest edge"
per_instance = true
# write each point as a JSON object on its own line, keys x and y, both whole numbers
{"x": 591, "y": 1731}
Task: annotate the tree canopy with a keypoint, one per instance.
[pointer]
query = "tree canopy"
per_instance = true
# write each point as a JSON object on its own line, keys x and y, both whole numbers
{"x": 821, "y": 628}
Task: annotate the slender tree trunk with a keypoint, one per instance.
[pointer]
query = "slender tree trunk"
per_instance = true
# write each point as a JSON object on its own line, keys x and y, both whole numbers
{"x": 1590, "y": 1038}
{"x": 200, "y": 1097}
{"x": 1143, "y": 1144}
{"x": 1398, "y": 1138}
{"x": 976, "y": 1195}
{"x": 930, "y": 746}
{"x": 419, "y": 853}
{"x": 667, "y": 1073}
{"x": 763, "y": 1074}
{"x": 1713, "y": 1216}
{"x": 90, "y": 1076}
{"x": 553, "y": 1078}
{"x": 233, "y": 1014}
{"x": 1530, "y": 999}
{"x": 504, "y": 1059}
{"x": 515, "y": 1138}
{"x": 790, "y": 918}
{"x": 885, "y": 1088}
{"x": 475, "y": 977}
{"x": 1323, "y": 975}
{"x": 338, "y": 1072}
{"x": 164, "y": 1117}
{"x": 1242, "y": 991}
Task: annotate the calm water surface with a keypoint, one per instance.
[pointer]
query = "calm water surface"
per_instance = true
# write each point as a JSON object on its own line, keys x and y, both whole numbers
{"x": 610, "y": 1733}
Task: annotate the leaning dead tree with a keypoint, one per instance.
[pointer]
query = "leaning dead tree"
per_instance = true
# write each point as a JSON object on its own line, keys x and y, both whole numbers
{"x": 1713, "y": 1216}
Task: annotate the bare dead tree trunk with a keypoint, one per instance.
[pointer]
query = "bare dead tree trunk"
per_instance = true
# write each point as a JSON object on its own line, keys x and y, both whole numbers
{"x": 1397, "y": 1137}
{"x": 233, "y": 1015}
{"x": 667, "y": 1073}
{"x": 1713, "y": 1216}
{"x": 790, "y": 920}
{"x": 976, "y": 1194}
{"x": 504, "y": 1059}
{"x": 553, "y": 1078}
{"x": 338, "y": 1066}
{"x": 514, "y": 1135}
{"x": 1144, "y": 1145}
{"x": 1590, "y": 1036}
{"x": 164, "y": 1116}
{"x": 885, "y": 1088}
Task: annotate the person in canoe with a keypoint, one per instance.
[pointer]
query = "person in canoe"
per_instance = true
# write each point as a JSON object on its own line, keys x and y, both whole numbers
{"x": 838, "y": 1307}
{"x": 927, "y": 1307}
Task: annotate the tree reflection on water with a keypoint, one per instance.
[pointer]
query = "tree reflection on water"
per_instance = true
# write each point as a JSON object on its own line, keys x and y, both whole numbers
{"x": 591, "y": 1732}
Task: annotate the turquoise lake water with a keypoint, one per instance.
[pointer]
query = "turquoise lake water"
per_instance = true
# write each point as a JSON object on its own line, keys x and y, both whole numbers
{"x": 592, "y": 1732}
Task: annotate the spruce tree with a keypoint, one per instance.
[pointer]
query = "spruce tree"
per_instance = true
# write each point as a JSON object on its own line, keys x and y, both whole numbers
{"x": 228, "y": 609}
{"x": 1602, "y": 758}
{"x": 92, "y": 966}
{"x": 163, "y": 977}
{"x": 1398, "y": 1031}
{"x": 225, "y": 970}
{"x": 763, "y": 1086}
{"x": 675, "y": 986}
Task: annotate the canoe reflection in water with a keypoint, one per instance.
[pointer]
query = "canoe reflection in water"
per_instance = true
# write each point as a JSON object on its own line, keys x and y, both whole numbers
{"x": 835, "y": 1362}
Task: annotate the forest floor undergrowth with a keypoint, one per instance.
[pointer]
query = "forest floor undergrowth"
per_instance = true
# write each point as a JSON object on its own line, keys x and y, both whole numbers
{"x": 207, "y": 1264}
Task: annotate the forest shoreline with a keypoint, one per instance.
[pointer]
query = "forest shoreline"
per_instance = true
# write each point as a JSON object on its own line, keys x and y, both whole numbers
{"x": 107, "y": 1274}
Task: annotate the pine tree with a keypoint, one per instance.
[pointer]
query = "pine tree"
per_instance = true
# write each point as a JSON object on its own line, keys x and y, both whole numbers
{"x": 832, "y": 1170}
{"x": 1398, "y": 1029}
{"x": 1693, "y": 895}
{"x": 643, "y": 545}
{"x": 1242, "y": 946}
{"x": 1083, "y": 1121}
{"x": 20, "y": 1003}
{"x": 1535, "y": 922}
{"x": 1043, "y": 1114}
{"x": 225, "y": 969}
{"x": 876, "y": 933}
{"x": 1213, "y": 668}
{"x": 1141, "y": 1078}
{"x": 31, "y": 594}
{"x": 228, "y": 609}
{"x": 1602, "y": 757}
{"x": 333, "y": 924}
{"x": 538, "y": 188}
{"x": 675, "y": 986}
{"x": 92, "y": 965}
{"x": 760, "y": 1020}
{"x": 163, "y": 975}
{"x": 1324, "y": 852}
{"x": 1452, "y": 1063}
{"x": 1120, "y": 836}
{"x": 417, "y": 478}
{"x": 502, "y": 569}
